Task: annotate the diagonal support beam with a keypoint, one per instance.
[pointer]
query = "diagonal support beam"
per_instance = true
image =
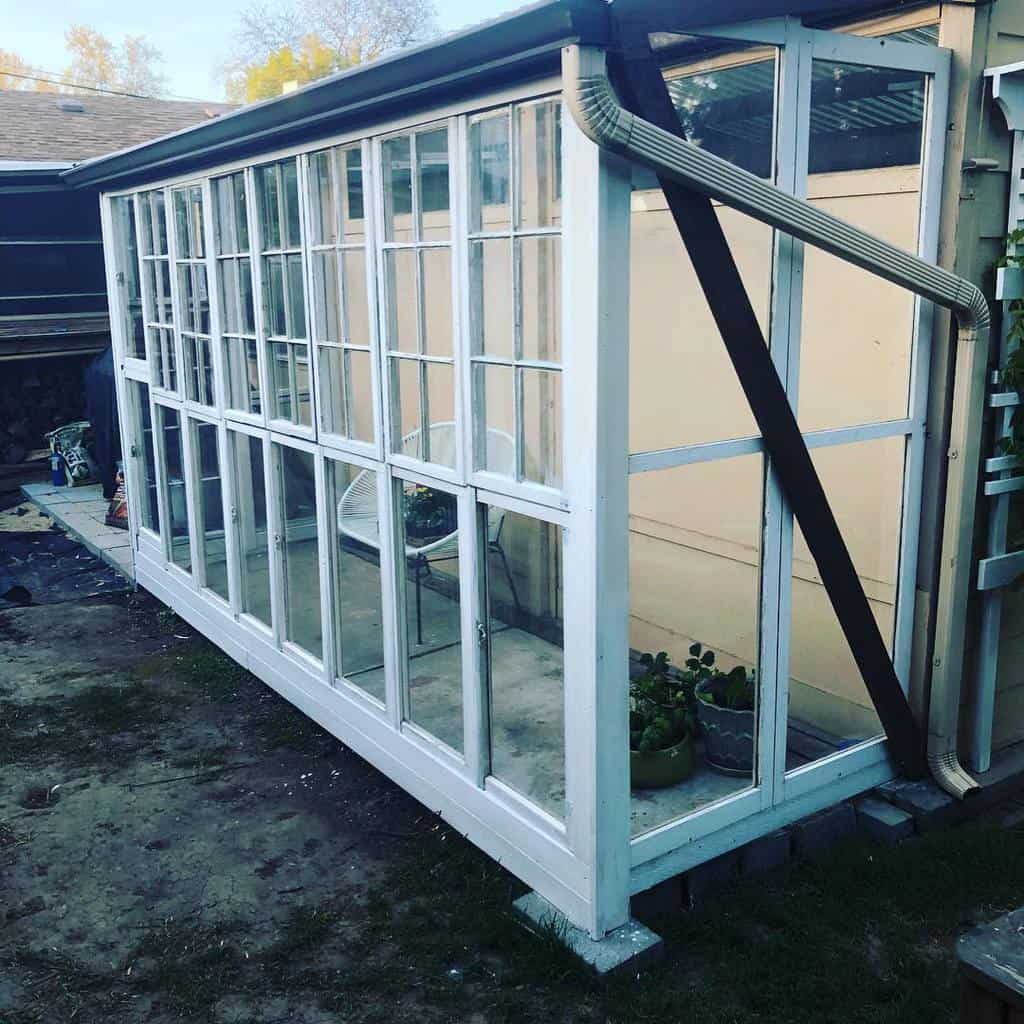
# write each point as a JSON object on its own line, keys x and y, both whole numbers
{"x": 642, "y": 90}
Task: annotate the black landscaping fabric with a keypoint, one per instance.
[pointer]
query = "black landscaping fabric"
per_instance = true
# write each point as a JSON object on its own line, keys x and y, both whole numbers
{"x": 48, "y": 567}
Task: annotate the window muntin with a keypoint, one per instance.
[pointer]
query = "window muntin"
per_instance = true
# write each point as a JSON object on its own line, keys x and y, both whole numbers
{"x": 418, "y": 299}
{"x": 515, "y": 291}
{"x": 156, "y": 290}
{"x": 341, "y": 296}
{"x": 284, "y": 293}
{"x": 239, "y": 343}
{"x": 193, "y": 293}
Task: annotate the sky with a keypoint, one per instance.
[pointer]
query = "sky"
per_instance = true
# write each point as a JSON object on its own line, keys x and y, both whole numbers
{"x": 193, "y": 35}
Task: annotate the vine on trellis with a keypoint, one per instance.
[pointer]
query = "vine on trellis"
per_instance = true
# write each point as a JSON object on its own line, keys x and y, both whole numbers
{"x": 1012, "y": 378}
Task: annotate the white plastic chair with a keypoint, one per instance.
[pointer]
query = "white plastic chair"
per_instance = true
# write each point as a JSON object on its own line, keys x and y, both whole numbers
{"x": 358, "y": 517}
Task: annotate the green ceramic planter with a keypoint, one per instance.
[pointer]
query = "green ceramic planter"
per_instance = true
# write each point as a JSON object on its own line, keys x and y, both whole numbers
{"x": 655, "y": 769}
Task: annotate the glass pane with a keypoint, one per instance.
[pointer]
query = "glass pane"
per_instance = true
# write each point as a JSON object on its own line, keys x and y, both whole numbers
{"x": 282, "y": 384}
{"x": 350, "y": 174}
{"x": 694, "y": 550}
{"x": 161, "y": 347}
{"x": 211, "y": 509}
{"x": 157, "y": 276}
{"x": 198, "y": 370}
{"x": 357, "y": 303}
{"x": 332, "y": 390}
{"x": 829, "y": 706}
{"x": 325, "y": 296}
{"x": 396, "y": 171}
{"x": 673, "y": 337}
{"x": 360, "y": 395}
{"x": 290, "y": 187}
{"x": 428, "y": 532}
{"x": 490, "y": 178}
{"x": 357, "y": 580}
{"x": 251, "y": 528}
{"x": 149, "y": 510}
{"x": 542, "y": 426}
{"x": 491, "y": 290}
{"x": 406, "y": 414}
{"x": 324, "y": 216}
{"x": 174, "y": 482}
{"x": 243, "y": 378}
{"x": 540, "y": 157}
{"x": 296, "y": 297}
{"x": 432, "y": 160}
{"x": 230, "y": 289}
{"x": 401, "y": 270}
{"x": 273, "y": 268}
{"x": 181, "y": 236}
{"x": 269, "y": 210}
{"x": 440, "y": 399}
{"x": 146, "y": 223}
{"x": 494, "y": 390}
{"x": 127, "y": 262}
{"x": 299, "y": 549}
{"x": 527, "y": 684}
{"x": 437, "y": 301}
{"x": 154, "y": 224}
{"x": 303, "y": 385}
{"x": 540, "y": 282}
{"x": 230, "y": 223}
{"x": 865, "y": 161}
{"x": 725, "y": 97}
{"x": 248, "y": 324}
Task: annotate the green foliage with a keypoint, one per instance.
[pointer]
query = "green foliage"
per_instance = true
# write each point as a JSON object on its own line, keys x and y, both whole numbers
{"x": 1012, "y": 378}
{"x": 661, "y": 705}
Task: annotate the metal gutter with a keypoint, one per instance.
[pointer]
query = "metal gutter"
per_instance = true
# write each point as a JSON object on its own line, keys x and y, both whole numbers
{"x": 596, "y": 109}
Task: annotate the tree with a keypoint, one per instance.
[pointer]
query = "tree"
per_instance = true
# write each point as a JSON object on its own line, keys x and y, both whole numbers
{"x": 272, "y": 39}
{"x": 16, "y": 73}
{"x": 99, "y": 63}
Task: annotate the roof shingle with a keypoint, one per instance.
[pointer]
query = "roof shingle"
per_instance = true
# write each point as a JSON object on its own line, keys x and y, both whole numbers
{"x": 34, "y": 127}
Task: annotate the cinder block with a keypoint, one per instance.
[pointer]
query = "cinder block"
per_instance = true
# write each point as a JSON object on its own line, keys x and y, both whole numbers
{"x": 766, "y": 854}
{"x": 664, "y": 898}
{"x": 929, "y": 806}
{"x": 813, "y": 837}
{"x": 707, "y": 878}
{"x": 883, "y": 822}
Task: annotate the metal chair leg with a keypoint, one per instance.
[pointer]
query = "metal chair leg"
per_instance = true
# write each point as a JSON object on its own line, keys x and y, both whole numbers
{"x": 419, "y": 603}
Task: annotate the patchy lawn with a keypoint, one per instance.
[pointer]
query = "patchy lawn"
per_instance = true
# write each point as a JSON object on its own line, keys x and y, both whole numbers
{"x": 177, "y": 843}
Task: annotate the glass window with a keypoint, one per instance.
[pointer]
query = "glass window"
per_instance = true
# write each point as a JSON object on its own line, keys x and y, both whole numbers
{"x": 175, "y": 492}
{"x": 126, "y": 259}
{"x": 284, "y": 295}
{"x": 193, "y": 294}
{"x": 418, "y": 323}
{"x": 340, "y": 299}
{"x": 525, "y": 656}
{"x": 250, "y": 517}
{"x": 211, "y": 507}
{"x": 428, "y": 536}
{"x": 299, "y": 549}
{"x": 149, "y": 508}
{"x": 356, "y": 576}
{"x": 234, "y": 282}
{"x": 158, "y": 310}
{"x": 516, "y": 292}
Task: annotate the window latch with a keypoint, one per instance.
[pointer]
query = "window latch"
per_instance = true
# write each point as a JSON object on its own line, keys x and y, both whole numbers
{"x": 481, "y": 634}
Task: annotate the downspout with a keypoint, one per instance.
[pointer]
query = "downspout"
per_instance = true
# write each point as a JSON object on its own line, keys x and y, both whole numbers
{"x": 595, "y": 108}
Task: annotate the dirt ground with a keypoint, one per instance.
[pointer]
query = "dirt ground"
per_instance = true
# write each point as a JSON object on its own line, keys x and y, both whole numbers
{"x": 177, "y": 843}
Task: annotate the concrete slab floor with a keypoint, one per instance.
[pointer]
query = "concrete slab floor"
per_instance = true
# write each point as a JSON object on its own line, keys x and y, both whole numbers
{"x": 81, "y": 511}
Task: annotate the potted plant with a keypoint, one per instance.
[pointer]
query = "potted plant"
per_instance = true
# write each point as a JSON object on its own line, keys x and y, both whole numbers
{"x": 429, "y": 514}
{"x": 661, "y": 725}
{"x": 725, "y": 711}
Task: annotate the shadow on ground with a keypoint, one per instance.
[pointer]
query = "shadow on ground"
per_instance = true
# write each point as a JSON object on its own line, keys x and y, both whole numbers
{"x": 177, "y": 843}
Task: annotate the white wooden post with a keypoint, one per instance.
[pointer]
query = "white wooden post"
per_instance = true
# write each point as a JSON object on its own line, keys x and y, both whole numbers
{"x": 596, "y": 332}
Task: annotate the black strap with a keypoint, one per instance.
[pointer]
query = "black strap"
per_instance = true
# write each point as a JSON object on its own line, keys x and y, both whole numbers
{"x": 642, "y": 90}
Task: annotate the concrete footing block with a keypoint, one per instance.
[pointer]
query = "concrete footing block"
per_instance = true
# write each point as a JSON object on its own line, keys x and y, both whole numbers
{"x": 930, "y": 807}
{"x": 814, "y": 836}
{"x": 628, "y": 948}
{"x": 766, "y": 854}
{"x": 883, "y": 822}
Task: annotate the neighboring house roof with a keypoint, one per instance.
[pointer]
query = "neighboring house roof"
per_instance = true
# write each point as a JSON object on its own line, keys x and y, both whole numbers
{"x": 515, "y": 47}
{"x": 58, "y": 127}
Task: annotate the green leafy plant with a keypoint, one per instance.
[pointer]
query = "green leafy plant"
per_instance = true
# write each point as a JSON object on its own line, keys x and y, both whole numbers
{"x": 661, "y": 705}
{"x": 733, "y": 690}
{"x": 428, "y": 513}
